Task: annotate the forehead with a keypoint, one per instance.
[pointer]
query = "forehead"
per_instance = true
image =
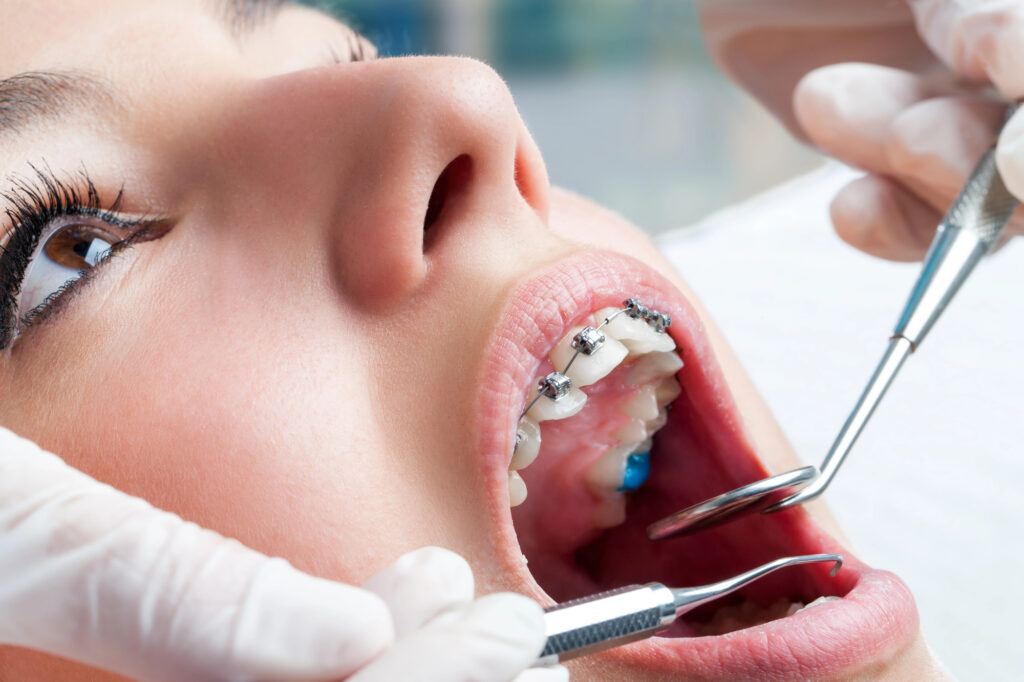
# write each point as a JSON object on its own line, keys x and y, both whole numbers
{"x": 97, "y": 35}
{"x": 121, "y": 38}
{"x": 149, "y": 60}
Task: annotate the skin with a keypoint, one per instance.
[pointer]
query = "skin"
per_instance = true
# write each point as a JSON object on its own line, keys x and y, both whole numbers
{"x": 278, "y": 366}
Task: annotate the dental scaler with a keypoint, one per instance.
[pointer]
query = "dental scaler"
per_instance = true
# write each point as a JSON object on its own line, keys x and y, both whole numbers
{"x": 609, "y": 619}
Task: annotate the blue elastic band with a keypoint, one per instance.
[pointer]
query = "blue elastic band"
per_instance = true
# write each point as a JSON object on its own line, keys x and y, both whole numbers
{"x": 638, "y": 468}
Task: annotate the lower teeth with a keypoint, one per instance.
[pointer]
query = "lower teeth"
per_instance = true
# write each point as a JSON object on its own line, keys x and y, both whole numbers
{"x": 731, "y": 618}
{"x": 516, "y": 489}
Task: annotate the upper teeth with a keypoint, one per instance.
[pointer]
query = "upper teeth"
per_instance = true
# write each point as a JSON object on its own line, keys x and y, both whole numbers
{"x": 562, "y": 407}
{"x": 527, "y": 444}
{"x": 652, "y": 366}
{"x": 586, "y": 355}
{"x": 587, "y": 369}
{"x": 635, "y": 334}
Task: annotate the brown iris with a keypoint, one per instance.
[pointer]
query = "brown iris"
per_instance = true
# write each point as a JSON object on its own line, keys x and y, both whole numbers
{"x": 70, "y": 245}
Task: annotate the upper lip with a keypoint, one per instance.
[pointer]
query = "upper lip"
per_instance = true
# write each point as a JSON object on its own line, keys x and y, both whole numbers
{"x": 877, "y": 613}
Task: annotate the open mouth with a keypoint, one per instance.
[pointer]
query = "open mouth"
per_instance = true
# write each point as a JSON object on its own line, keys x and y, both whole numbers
{"x": 649, "y": 427}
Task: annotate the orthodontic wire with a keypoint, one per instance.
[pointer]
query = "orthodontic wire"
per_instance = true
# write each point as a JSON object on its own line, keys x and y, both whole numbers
{"x": 634, "y": 309}
{"x": 542, "y": 384}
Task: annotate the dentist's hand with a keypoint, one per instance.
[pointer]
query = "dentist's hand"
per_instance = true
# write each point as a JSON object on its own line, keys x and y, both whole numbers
{"x": 91, "y": 574}
{"x": 915, "y": 118}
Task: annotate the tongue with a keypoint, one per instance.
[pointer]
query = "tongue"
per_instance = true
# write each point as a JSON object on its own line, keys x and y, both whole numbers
{"x": 561, "y": 513}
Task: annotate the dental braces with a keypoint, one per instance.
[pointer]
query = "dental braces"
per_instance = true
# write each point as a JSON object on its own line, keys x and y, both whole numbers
{"x": 588, "y": 341}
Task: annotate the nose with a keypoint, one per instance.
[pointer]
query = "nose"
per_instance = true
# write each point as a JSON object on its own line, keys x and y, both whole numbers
{"x": 389, "y": 158}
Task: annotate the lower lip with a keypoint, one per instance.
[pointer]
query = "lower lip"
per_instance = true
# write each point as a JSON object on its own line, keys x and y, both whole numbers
{"x": 873, "y": 621}
{"x": 876, "y": 616}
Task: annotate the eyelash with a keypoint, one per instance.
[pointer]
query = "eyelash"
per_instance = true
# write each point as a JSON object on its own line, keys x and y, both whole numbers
{"x": 32, "y": 206}
{"x": 359, "y": 49}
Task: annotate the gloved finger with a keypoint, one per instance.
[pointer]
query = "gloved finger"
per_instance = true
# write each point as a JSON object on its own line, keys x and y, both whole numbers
{"x": 1010, "y": 154}
{"x": 848, "y": 109}
{"x": 553, "y": 673}
{"x": 94, "y": 575}
{"x": 933, "y": 146}
{"x": 492, "y": 639}
{"x": 877, "y": 215}
{"x": 980, "y": 40}
{"x": 421, "y": 585}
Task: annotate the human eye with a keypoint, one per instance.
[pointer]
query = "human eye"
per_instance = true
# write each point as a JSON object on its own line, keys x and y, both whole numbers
{"x": 59, "y": 234}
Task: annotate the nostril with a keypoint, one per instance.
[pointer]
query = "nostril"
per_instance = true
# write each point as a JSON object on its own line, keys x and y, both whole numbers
{"x": 530, "y": 176}
{"x": 522, "y": 177}
{"x": 450, "y": 182}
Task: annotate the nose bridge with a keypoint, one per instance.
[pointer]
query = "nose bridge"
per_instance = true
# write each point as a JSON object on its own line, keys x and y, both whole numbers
{"x": 354, "y": 152}
{"x": 447, "y": 106}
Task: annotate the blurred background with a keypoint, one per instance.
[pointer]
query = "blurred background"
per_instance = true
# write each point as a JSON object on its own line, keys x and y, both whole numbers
{"x": 620, "y": 96}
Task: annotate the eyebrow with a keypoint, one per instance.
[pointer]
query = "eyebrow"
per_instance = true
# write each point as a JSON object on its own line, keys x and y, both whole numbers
{"x": 34, "y": 95}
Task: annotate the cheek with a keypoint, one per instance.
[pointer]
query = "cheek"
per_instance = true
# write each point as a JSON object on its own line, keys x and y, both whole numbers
{"x": 580, "y": 220}
{"x": 275, "y": 418}
{"x": 223, "y": 420}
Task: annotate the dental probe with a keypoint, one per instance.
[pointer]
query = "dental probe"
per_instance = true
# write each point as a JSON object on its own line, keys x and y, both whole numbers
{"x": 609, "y": 619}
{"x": 969, "y": 230}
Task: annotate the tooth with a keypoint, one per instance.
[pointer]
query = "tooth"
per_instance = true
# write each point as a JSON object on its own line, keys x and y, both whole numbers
{"x": 528, "y": 445}
{"x": 644, "y": 405}
{"x": 819, "y": 601}
{"x": 654, "y": 366}
{"x": 610, "y": 512}
{"x": 587, "y": 369}
{"x": 547, "y": 408}
{"x": 606, "y": 474}
{"x": 667, "y": 391}
{"x": 635, "y": 334}
{"x": 516, "y": 489}
{"x": 655, "y": 424}
{"x": 634, "y": 431}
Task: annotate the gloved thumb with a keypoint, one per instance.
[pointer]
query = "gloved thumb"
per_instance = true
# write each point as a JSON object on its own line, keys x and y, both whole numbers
{"x": 492, "y": 639}
{"x": 94, "y": 575}
{"x": 422, "y": 585}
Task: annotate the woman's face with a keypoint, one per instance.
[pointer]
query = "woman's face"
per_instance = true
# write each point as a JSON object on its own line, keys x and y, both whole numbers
{"x": 335, "y": 281}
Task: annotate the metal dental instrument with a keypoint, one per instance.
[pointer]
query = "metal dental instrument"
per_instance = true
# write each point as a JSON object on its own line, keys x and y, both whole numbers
{"x": 602, "y": 621}
{"x": 970, "y": 229}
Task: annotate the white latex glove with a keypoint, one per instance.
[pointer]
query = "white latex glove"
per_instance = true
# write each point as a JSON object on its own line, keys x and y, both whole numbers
{"x": 94, "y": 575}
{"x": 915, "y": 122}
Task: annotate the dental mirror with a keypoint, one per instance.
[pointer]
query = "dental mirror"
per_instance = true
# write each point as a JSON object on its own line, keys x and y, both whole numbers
{"x": 746, "y": 499}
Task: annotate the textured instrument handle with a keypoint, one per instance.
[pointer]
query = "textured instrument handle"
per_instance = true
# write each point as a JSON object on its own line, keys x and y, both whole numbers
{"x": 605, "y": 620}
{"x": 984, "y": 205}
{"x": 969, "y": 230}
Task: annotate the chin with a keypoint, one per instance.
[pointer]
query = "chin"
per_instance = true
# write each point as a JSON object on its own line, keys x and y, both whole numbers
{"x": 576, "y": 533}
